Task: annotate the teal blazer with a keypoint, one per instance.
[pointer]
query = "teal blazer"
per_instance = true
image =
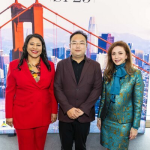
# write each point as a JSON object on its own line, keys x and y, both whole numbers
{"x": 129, "y": 103}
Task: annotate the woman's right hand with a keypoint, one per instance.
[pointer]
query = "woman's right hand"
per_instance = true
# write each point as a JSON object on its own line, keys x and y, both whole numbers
{"x": 99, "y": 123}
{"x": 9, "y": 121}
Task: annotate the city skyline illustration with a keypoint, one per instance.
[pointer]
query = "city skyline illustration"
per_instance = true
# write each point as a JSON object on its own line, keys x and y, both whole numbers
{"x": 57, "y": 43}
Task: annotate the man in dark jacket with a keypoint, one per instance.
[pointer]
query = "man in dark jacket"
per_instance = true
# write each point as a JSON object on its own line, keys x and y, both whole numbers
{"x": 78, "y": 84}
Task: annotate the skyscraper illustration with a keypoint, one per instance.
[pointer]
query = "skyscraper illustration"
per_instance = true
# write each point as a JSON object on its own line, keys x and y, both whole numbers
{"x": 139, "y": 53}
{"x": 103, "y": 44}
{"x": 92, "y": 28}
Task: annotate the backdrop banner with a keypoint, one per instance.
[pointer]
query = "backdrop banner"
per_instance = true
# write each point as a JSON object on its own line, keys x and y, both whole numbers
{"x": 55, "y": 20}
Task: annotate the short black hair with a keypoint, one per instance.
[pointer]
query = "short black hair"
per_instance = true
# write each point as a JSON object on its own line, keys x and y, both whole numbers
{"x": 78, "y": 32}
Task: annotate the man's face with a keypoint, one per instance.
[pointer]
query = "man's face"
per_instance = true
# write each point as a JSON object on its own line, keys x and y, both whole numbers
{"x": 78, "y": 46}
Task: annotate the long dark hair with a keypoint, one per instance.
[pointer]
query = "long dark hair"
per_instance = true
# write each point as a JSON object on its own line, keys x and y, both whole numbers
{"x": 43, "y": 54}
{"x": 110, "y": 67}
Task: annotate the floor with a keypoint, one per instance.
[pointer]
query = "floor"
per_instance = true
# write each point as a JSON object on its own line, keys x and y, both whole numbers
{"x": 142, "y": 142}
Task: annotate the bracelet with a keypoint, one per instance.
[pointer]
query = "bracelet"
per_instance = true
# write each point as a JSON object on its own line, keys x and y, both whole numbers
{"x": 98, "y": 118}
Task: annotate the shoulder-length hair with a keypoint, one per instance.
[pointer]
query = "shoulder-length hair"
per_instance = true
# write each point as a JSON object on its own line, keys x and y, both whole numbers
{"x": 43, "y": 54}
{"x": 110, "y": 67}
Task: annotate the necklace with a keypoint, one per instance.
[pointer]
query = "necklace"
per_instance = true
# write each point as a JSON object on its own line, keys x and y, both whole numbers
{"x": 34, "y": 65}
{"x": 31, "y": 65}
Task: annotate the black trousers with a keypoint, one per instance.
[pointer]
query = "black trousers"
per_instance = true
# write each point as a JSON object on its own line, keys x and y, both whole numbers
{"x": 74, "y": 131}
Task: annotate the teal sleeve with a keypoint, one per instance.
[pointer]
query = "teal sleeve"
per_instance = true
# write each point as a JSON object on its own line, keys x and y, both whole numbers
{"x": 137, "y": 99}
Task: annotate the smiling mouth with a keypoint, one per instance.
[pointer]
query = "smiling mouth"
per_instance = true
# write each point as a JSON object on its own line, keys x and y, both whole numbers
{"x": 117, "y": 60}
{"x": 34, "y": 52}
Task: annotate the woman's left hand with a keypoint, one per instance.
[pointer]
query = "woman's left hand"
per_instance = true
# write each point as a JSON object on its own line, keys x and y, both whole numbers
{"x": 133, "y": 133}
{"x": 53, "y": 117}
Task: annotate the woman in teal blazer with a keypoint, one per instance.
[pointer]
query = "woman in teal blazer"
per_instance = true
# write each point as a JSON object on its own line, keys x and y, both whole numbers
{"x": 122, "y": 97}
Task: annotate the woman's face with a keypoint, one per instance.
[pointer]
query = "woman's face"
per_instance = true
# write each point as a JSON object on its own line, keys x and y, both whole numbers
{"x": 34, "y": 47}
{"x": 118, "y": 55}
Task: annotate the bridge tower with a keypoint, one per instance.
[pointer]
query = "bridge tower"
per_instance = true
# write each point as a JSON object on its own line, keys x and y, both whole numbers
{"x": 33, "y": 15}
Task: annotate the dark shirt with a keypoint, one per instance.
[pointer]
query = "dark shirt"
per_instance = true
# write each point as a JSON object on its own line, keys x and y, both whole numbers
{"x": 77, "y": 67}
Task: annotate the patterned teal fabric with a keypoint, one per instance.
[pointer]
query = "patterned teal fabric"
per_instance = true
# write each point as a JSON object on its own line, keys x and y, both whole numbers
{"x": 114, "y": 135}
{"x": 126, "y": 111}
{"x": 115, "y": 88}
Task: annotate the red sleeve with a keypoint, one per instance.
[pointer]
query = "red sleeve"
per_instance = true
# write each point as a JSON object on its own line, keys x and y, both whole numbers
{"x": 51, "y": 89}
{"x": 10, "y": 92}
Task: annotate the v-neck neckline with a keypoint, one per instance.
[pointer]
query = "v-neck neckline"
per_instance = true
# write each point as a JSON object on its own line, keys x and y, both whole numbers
{"x": 27, "y": 70}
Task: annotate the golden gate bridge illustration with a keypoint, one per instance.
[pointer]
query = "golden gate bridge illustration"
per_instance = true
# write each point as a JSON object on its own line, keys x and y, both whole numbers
{"x": 34, "y": 14}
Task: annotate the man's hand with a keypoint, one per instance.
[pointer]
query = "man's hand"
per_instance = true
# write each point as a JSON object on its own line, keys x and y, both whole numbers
{"x": 9, "y": 121}
{"x": 133, "y": 133}
{"x": 73, "y": 113}
{"x": 79, "y": 112}
{"x": 53, "y": 117}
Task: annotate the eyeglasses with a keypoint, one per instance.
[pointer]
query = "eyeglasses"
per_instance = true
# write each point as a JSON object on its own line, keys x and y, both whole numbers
{"x": 80, "y": 44}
